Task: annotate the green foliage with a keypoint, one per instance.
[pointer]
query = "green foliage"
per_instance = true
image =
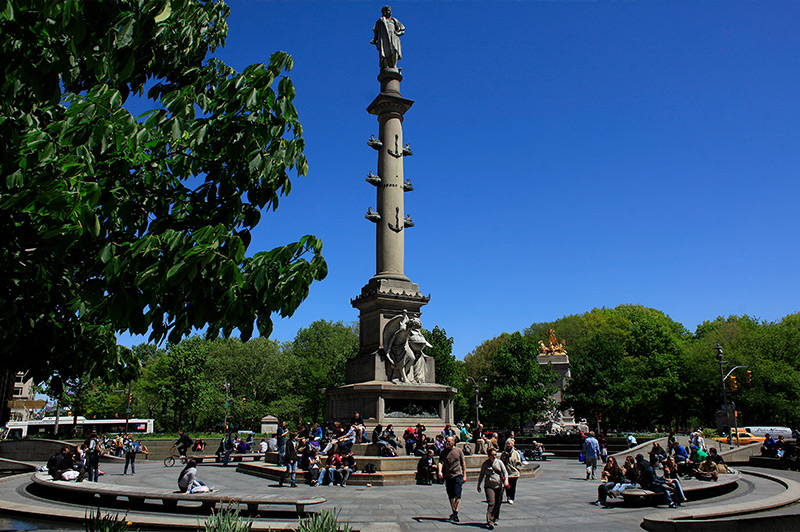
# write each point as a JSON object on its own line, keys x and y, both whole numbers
{"x": 227, "y": 519}
{"x": 96, "y": 521}
{"x": 518, "y": 387}
{"x": 322, "y": 350}
{"x": 184, "y": 385}
{"x": 771, "y": 350}
{"x": 626, "y": 365}
{"x": 449, "y": 371}
{"x": 112, "y": 223}
{"x": 325, "y": 521}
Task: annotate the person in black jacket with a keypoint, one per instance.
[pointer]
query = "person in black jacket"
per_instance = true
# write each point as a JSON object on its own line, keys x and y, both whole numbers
{"x": 290, "y": 459}
{"x": 184, "y": 443}
{"x": 60, "y": 462}
{"x": 650, "y": 481}
{"x": 427, "y": 468}
{"x": 348, "y": 467}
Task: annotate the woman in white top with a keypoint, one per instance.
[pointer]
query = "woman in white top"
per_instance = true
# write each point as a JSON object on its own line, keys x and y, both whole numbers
{"x": 513, "y": 463}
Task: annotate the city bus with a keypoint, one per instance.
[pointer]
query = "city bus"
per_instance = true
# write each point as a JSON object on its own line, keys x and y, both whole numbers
{"x": 46, "y": 426}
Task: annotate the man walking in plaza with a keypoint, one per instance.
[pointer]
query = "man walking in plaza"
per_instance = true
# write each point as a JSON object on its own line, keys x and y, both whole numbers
{"x": 281, "y": 438}
{"x": 453, "y": 469}
{"x": 591, "y": 450}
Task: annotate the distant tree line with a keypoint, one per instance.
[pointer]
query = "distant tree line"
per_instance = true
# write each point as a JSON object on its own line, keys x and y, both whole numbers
{"x": 632, "y": 368}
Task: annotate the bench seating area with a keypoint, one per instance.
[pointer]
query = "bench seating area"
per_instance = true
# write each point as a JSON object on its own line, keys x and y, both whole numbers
{"x": 256, "y": 457}
{"x": 137, "y": 495}
{"x": 691, "y": 486}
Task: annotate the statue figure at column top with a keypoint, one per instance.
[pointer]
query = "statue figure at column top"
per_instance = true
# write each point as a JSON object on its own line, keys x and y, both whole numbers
{"x": 387, "y": 32}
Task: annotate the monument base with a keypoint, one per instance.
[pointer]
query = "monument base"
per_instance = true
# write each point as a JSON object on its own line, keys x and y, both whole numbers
{"x": 403, "y": 405}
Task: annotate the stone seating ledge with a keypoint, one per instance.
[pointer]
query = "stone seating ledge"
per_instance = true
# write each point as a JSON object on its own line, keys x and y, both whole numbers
{"x": 136, "y": 495}
{"x": 689, "y": 486}
{"x": 235, "y": 457}
{"x": 688, "y": 519}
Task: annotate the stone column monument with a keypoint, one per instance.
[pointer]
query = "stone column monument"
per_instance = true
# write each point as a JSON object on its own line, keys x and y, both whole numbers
{"x": 391, "y": 380}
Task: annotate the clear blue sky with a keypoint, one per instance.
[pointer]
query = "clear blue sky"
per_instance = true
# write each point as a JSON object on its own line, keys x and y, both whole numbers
{"x": 567, "y": 156}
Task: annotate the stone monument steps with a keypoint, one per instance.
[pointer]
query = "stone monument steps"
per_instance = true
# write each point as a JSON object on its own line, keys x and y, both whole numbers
{"x": 382, "y": 463}
{"x": 359, "y": 478}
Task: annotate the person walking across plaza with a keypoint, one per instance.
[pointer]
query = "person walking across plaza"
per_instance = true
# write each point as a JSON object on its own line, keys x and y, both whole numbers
{"x": 131, "y": 447}
{"x": 281, "y": 438}
{"x": 494, "y": 477}
{"x": 92, "y": 457}
{"x": 513, "y": 463}
{"x": 453, "y": 470}
{"x": 290, "y": 458}
{"x": 591, "y": 450}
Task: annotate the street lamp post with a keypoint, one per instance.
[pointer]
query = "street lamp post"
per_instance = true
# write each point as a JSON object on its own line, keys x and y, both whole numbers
{"x": 731, "y": 406}
{"x": 227, "y": 387}
{"x": 476, "y": 384}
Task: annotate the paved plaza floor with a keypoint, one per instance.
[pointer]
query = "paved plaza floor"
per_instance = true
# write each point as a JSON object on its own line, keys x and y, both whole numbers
{"x": 557, "y": 499}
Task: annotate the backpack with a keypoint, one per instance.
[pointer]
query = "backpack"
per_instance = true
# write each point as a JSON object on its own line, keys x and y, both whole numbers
{"x": 52, "y": 465}
{"x": 370, "y": 468}
{"x": 467, "y": 449}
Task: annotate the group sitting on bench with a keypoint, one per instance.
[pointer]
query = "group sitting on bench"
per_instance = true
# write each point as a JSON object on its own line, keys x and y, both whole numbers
{"x": 642, "y": 473}
{"x": 639, "y": 472}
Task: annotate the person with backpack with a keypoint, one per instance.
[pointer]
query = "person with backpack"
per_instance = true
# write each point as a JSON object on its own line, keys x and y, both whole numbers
{"x": 92, "y": 457}
{"x": 131, "y": 447}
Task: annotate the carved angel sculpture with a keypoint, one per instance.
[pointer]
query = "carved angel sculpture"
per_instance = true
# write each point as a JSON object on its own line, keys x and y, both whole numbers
{"x": 404, "y": 344}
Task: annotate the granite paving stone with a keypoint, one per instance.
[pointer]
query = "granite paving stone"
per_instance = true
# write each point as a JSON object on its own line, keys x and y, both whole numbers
{"x": 557, "y": 499}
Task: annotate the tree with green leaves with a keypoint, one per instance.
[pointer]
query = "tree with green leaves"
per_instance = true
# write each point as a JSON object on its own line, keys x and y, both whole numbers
{"x": 321, "y": 350}
{"x": 519, "y": 389}
{"x": 449, "y": 371}
{"x": 626, "y": 365}
{"x": 112, "y": 223}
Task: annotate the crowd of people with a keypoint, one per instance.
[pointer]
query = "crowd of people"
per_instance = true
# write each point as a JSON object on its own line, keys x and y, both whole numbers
{"x": 661, "y": 473}
{"x": 327, "y": 454}
{"x": 83, "y": 462}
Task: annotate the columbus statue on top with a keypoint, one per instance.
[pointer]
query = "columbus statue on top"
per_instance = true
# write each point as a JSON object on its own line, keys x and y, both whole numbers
{"x": 387, "y": 31}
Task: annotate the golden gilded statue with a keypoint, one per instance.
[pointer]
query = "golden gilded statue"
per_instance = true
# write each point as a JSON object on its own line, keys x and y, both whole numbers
{"x": 553, "y": 347}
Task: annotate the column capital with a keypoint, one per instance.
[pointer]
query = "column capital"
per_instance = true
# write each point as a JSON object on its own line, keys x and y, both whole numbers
{"x": 389, "y": 103}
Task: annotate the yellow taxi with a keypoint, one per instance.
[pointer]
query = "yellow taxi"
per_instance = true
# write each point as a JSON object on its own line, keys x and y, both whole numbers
{"x": 745, "y": 438}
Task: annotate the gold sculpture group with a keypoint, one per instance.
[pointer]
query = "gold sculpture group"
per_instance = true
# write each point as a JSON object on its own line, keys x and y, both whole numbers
{"x": 553, "y": 347}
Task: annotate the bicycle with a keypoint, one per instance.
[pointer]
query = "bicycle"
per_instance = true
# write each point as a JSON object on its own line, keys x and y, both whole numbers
{"x": 169, "y": 461}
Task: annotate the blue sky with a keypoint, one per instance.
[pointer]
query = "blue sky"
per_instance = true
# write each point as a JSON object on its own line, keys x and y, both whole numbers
{"x": 567, "y": 156}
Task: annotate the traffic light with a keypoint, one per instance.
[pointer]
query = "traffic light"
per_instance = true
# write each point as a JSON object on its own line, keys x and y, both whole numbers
{"x": 749, "y": 378}
{"x": 130, "y": 398}
{"x": 244, "y": 401}
{"x": 734, "y": 384}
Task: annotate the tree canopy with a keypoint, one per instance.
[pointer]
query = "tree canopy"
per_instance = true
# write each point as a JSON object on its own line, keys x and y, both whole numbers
{"x": 112, "y": 223}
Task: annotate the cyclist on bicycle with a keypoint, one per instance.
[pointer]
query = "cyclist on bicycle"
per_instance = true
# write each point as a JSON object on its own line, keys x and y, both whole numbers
{"x": 183, "y": 443}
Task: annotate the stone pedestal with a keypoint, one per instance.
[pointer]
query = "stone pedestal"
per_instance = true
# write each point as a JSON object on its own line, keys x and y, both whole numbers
{"x": 403, "y": 405}
{"x": 380, "y": 300}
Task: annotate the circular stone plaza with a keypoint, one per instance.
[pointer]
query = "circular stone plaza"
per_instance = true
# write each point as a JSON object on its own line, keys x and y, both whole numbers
{"x": 553, "y": 495}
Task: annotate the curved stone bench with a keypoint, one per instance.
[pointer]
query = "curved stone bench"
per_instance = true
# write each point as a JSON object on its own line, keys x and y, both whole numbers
{"x": 235, "y": 457}
{"x": 688, "y": 486}
{"x": 690, "y": 519}
{"x": 169, "y": 499}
